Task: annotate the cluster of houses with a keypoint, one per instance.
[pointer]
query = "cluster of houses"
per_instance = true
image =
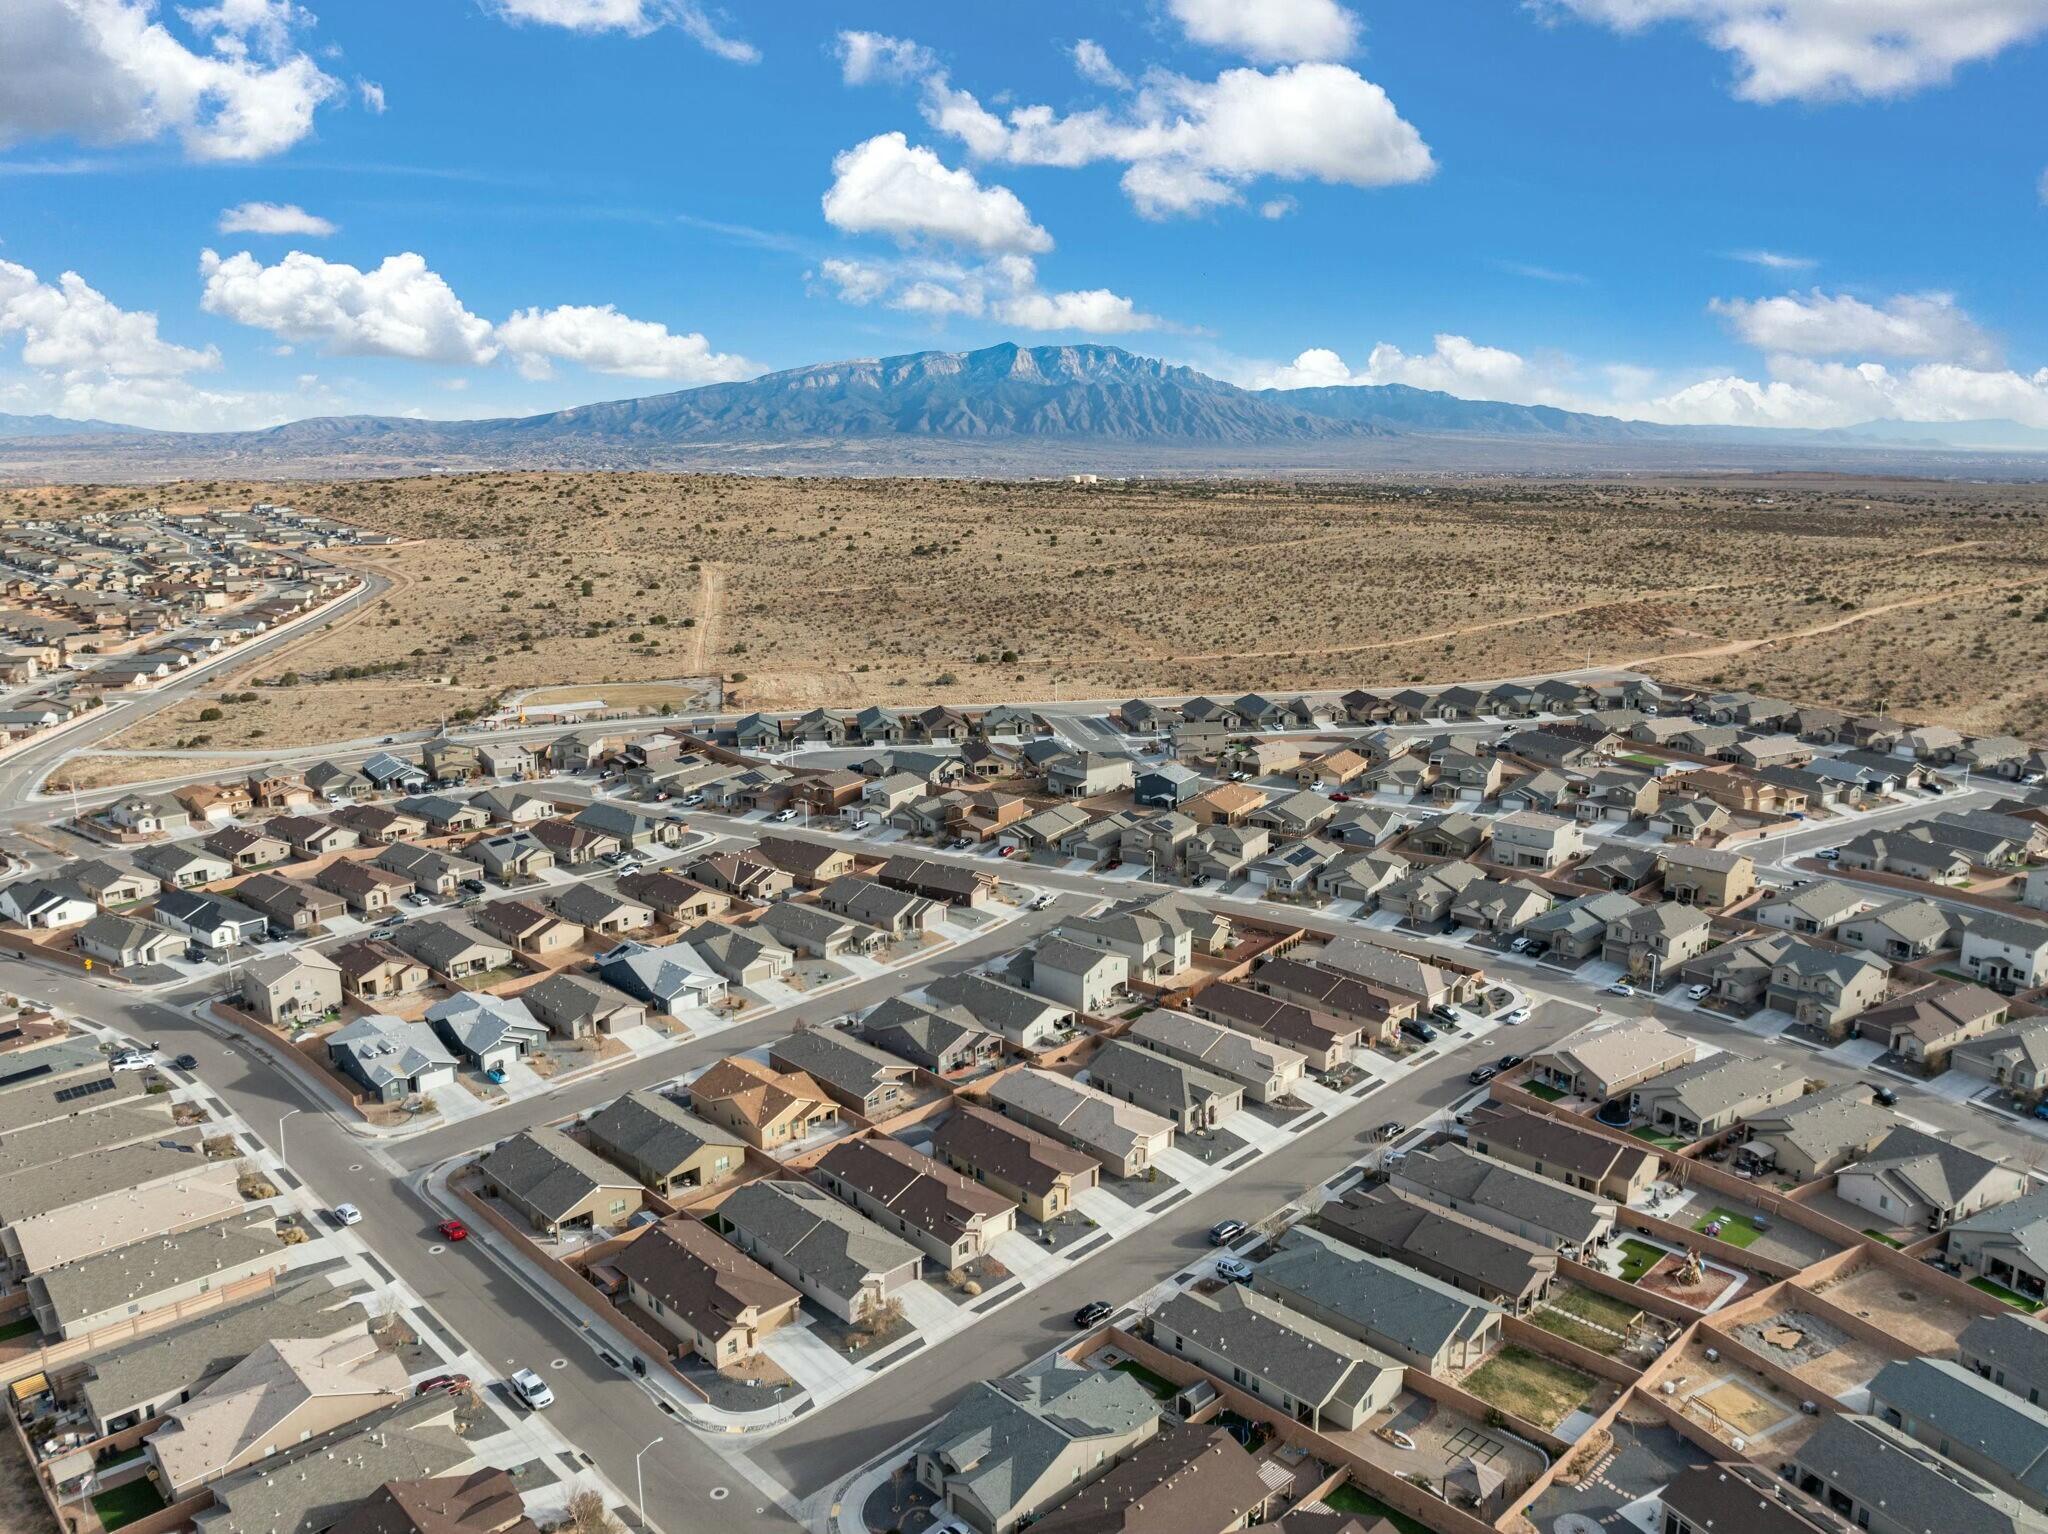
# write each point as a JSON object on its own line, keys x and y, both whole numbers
{"x": 123, "y": 602}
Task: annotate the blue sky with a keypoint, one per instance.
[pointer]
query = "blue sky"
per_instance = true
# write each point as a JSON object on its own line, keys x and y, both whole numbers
{"x": 1804, "y": 212}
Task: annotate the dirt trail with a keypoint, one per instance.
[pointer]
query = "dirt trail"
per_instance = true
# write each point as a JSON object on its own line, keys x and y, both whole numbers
{"x": 710, "y": 613}
{"x": 1814, "y": 631}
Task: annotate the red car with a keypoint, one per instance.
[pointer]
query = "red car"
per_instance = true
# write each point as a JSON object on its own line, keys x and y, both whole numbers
{"x": 1340, "y": 798}
{"x": 443, "y": 1382}
{"x": 453, "y": 1230}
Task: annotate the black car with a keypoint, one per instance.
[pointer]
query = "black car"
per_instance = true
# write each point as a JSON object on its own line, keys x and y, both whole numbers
{"x": 187, "y": 1062}
{"x": 1094, "y": 1313}
{"x": 1885, "y": 1096}
{"x": 1509, "y": 1062}
{"x": 1479, "y": 1075}
{"x": 1444, "y": 1013}
{"x": 1415, "y": 1028}
{"x": 1389, "y": 1131}
{"x": 475, "y": 886}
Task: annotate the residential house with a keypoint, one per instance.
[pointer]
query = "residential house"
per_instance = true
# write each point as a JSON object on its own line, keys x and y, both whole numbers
{"x": 453, "y": 950}
{"x": 365, "y": 888}
{"x": 1564, "y": 1152}
{"x": 1267, "y": 1073}
{"x": 391, "y": 1059}
{"x": 126, "y": 944}
{"x": 575, "y": 1008}
{"x": 529, "y": 927}
{"x": 767, "y": 1108}
{"x": 1392, "y": 1308}
{"x": 1817, "y": 1134}
{"x": 2005, "y": 1244}
{"x": 1902, "y": 930}
{"x": 1981, "y": 1428}
{"x": 1826, "y": 989}
{"x": 1528, "y": 839}
{"x": 2005, "y": 953}
{"x": 1125, "y": 1138}
{"x": 1926, "y": 1182}
{"x": 493, "y": 1033}
{"x": 1815, "y": 911}
{"x": 211, "y": 921}
{"x": 1525, "y": 1204}
{"x": 859, "y": 1077}
{"x": 1325, "y": 1042}
{"x": 1709, "y": 877}
{"x": 807, "y": 1238}
{"x": 558, "y": 1185}
{"x": 664, "y": 1147}
{"x": 1610, "y": 1056}
{"x": 289, "y": 990}
{"x": 1467, "y": 1253}
{"x": 669, "y": 980}
{"x": 513, "y": 857}
{"x": 246, "y": 847}
{"x": 1012, "y": 1448}
{"x": 288, "y": 904}
{"x": 1578, "y": 929}
{"x": 946, "y": 1214}
{"x": 184, "y": 866}
{"x": 1708, "y": 1096}
{"x": 1028, "y": 1021}
{"x": 1877, "y": 1477}
{"x": 1304, "y": 1369}
{"x": 374, "y": 970}
{"x": 1924, "y": 1027}
{"x": 1194, "y": 1100}
{"x": 715, "y": 1301}
{"x": 1030, "y": 1168}
{"x": 2015, "y": 1058}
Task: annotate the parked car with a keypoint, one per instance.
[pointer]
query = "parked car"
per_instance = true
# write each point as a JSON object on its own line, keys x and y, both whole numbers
{"x": 1509, "y": 1062}
{"x": 1236, "y": 1269}
{"x": 418, "y": 897}
{"x": 1094, "y": 1313}
{"x": 442, "y": 1382}
{"x": 1223, "y": 1232}
{"x": 782, "y": 816}
{"x": 476, "y": 886}
{"x": 1698, "y": 992}
{"x": 1479, "y": 1075}
{"x": 1621, "y": 988}
{"x": 452, "y": 1230}
{"x": 1340, "y": 798}
{"x": 1829, "y": 854}
{"x": 1515, "y": 1015}
{"x": 533, "y": 1391}
{"x": 187, "y": 1062}
{"x": 1415, "y": 1028}
{"x": 1444, "y": 1012}
{"x": 1520, "y": 945}
{"x": 1391, "y": 1130}
{"x": 348, "y": 1214}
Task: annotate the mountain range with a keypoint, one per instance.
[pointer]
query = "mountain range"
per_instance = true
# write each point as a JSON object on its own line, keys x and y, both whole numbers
{"x": 1007, "y": 408}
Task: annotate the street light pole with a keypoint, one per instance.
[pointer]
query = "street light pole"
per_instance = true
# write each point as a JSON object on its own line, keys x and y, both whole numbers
{"x": 280, "y": 1130}
{"x": 640, "y": 1486}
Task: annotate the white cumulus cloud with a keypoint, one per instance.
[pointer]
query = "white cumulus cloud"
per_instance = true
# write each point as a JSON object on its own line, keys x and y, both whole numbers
{"x": 1813, "y": 50}
{"x": 1195, "y": 144}
{"x": 235, "y": 87}
{"x": 1093, "y": 63}
{"x": 85, "y": 357}
{"x": 869, "y": 58}
{"x": 1270, "y": 31}
{"x": 893, "y": 187}
{"x": 273, "y": 218}
{"x": 603, "y": 340}
{"x": 1776, "y": 261}
{"x": 636, "y": 18}
{"x": 1817, "y": 324}
{"x": 1005, "y": 290}
{"x": 400, "y": 308}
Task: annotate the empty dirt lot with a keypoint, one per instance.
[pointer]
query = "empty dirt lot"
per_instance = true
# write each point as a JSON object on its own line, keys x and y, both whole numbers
{"x": 1929, "y": 598}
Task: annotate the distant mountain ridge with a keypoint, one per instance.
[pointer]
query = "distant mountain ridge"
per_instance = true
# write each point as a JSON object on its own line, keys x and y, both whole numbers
{"x": 1010, "y": 408}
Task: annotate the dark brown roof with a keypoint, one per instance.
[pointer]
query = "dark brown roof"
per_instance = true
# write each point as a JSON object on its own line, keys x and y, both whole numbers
{"x": 927, "y": 1193}
{"x": 1012, "y": 1152}
{"x": 1288, "y": 1021}
{"x": 1581, "y": 1152}
{"x": 1183, "y": 1480}
{"x": 700, "y": 1276}
{"x": 482, "y": 1502}
{"x": 1344, "y": 995}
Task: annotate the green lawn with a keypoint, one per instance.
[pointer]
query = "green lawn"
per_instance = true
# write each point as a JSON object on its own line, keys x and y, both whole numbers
{"x": 2016, "y": 1301}
{"x": 1615, "y": 1315}
{"x": 124, "y": 1504}
{"x": 1638, "y": 1257}
{"x": 1878, "y": 1235}
{"x": 1658, "y": 1138}
{"x": 21, "y": 1326}
{"x": 1572, "y": 1329}
{"x": 1547, "y": 1093}
{"x": 1537, "y": 1389}
{"x": 1349, "y": 1499}
{"x": 1162, "y": 1389}
{"x": 1736, "y": 1229}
